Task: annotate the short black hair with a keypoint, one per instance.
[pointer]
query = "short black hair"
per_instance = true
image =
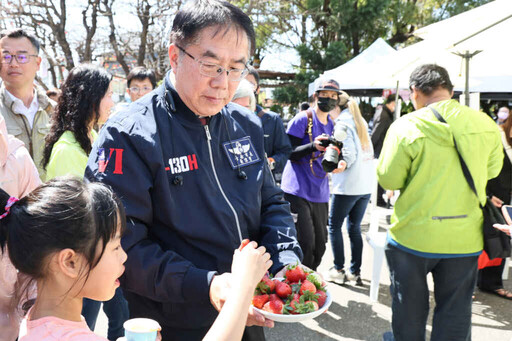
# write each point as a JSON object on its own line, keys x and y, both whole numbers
{"x": 390, "y": 99}
{"x": 255, "y": 74}
{"x": 141, "y": 73}
{"x": 429, "y": 77}
{"x": 197, "y": 15}
{"x": 20, "y": 33}
{"x": 304, "y": 106}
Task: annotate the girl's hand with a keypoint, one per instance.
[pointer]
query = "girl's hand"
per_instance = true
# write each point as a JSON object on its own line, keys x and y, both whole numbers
{"x": 250, "y": 263}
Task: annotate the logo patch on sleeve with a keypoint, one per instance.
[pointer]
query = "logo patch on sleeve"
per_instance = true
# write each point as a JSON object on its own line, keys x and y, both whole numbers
{"x": 241, "y": 152}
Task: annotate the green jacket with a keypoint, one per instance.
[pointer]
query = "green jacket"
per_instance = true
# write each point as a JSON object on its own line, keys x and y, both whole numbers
{"x": 436, "y": 211}
{"x": 67, "y": 157}
{"x": 17, "y": 125}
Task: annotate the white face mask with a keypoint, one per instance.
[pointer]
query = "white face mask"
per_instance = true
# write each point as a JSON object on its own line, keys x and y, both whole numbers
{"x": 503, "y": 115}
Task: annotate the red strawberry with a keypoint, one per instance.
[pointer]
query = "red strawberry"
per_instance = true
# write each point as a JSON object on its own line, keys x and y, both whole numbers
{"x": 259, "y": 300}
{"x": 266, "y": 285}
{"x": 243, "y": 244}
{"x": 322, "y": 297}
{"x": 274, "y": 307}
{"x": 307, "y": 286}
{"x": 311, "y": 305}
{"x": 274, "y": 297}
{"x": 283, "y": 290}
{"x": 293, "y": 304}
{"x": 295, "y": 273}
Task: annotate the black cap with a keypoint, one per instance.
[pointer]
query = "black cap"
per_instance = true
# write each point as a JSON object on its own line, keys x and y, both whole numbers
{"x": 329, "y": 85}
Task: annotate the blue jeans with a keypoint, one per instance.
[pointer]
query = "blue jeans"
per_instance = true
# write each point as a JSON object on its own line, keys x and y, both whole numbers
{"x": 354, "y": 207}
{"x": 454, "y": 282}
{"x": 116, "y": 310}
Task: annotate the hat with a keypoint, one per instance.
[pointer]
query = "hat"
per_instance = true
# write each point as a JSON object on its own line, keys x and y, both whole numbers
{"x": 329, "y": 85}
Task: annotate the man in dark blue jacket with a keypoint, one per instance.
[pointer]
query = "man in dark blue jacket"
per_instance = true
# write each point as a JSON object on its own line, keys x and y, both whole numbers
{"x": 277, "y": 143}
{"x": 190, "y": 170}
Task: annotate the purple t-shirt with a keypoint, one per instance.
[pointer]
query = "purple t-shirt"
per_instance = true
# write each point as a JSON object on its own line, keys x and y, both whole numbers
{"x": 298, "y": 179}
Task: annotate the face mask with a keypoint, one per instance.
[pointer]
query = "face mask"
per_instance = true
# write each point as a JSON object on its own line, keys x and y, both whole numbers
{"x": 326, "y": 104}
{"x": 502, "y": 115}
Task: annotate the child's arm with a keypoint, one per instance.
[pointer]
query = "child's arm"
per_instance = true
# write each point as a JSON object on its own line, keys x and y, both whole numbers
{"x": 249, "y": 266}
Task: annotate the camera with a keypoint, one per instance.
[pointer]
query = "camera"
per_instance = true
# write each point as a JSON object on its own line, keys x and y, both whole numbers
{"x": 333, "y": 151}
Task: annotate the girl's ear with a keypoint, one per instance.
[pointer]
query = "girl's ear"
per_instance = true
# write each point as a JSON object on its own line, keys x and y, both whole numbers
{"x": 69, "y": 262}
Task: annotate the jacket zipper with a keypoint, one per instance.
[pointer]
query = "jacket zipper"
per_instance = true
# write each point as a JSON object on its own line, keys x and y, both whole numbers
{"x": 441, "y": 218}
{"x": 209, "y": 138}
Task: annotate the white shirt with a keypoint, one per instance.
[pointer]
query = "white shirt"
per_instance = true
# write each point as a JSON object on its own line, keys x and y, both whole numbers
{"x": 19, "y": 107}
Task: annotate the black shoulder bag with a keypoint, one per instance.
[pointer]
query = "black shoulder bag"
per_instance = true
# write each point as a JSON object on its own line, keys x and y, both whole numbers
{"x": 496, "y": 243}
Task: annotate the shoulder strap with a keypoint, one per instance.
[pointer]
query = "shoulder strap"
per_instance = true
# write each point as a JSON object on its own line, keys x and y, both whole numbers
{"x": 309, "y": 126}
{"x": 465, "y": 169}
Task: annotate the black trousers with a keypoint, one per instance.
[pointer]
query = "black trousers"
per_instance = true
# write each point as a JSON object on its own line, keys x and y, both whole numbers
{"x": 490, "y": 278}
{"x": 311, "y": 228}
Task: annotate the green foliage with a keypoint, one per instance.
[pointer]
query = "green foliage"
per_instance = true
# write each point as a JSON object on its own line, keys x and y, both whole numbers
{"x": 298, "y": 92}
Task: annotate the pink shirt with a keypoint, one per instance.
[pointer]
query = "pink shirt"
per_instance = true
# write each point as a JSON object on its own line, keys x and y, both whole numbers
{"x": 52, "y": 328}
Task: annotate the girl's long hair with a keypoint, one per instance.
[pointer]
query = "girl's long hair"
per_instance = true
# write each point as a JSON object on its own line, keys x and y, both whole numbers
{"x": 345, "y": 101}
{"x": 78, "y": 107}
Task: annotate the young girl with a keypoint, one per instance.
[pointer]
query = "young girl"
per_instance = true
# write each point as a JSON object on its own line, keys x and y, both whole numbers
{"x": 66, "y": 236}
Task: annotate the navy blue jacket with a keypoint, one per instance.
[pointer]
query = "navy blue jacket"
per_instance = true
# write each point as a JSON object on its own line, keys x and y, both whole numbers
{"x": 188, "y": 205}
{"x": 277, "y": 143}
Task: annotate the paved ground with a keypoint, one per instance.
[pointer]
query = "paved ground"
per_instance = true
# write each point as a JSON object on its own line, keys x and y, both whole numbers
{"x": 353, "y": 317}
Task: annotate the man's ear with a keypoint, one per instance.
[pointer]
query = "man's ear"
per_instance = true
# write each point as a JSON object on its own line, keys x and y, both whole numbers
{"x": 69, "y": 262}
{"x": 173, "y": 56}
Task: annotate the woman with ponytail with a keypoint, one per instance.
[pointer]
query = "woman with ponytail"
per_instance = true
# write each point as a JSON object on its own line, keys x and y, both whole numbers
{"x": 352, "y": 183}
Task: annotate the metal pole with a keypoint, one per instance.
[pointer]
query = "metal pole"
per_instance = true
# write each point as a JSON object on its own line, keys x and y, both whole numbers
{"x": 397, "y": 107}
{"x": 466, "y": 86}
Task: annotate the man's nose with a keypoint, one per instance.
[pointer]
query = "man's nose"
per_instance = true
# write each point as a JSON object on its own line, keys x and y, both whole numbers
{"x": 221, "y": 81}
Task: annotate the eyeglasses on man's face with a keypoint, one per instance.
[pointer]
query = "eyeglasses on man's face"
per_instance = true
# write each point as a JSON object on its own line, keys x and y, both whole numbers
{"x": 21, "y": 58}
{"x": 136, "y": 90}
{"x": 214, "y": 70}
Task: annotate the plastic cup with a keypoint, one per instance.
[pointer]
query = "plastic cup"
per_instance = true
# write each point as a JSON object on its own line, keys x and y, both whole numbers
{"x": 141, "y": 329}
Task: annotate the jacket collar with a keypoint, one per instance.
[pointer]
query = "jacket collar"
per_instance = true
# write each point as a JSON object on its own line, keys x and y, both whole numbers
{"x": 45, "y": 103}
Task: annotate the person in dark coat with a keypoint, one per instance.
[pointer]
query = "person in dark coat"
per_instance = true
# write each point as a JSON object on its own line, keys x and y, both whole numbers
{"x": 499, "y": 190}
{"x": 381, "y": 121}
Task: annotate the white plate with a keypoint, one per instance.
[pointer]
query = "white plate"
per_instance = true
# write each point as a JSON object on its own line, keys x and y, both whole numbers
{"x": 299, "y": 317}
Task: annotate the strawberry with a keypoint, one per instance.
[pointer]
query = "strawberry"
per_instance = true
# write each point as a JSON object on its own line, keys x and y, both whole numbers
{"x": 322, "y": 297}
{"x": 243, "y": 244}
{"x": 316, "y": 280}
{"x": 292, "y": 304}
{"x": 283, "y": 290}
{"x": 307, "y": 286}
{"x": 266, "y": 285}
{"x": 295, "y": 273}
{"x": 311, "y": 306}
{"x": 274, "y": 297}
{"x": 274, "y": 307}
{"x": 259, "y": 300}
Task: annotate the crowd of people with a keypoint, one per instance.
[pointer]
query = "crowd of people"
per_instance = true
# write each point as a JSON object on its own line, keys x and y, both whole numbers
{"x": 146, "y": 216}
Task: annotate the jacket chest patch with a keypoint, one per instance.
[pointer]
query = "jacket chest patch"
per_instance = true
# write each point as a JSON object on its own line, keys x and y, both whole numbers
{"x": 182, "y": 164}
{"x": 241, "y": 152}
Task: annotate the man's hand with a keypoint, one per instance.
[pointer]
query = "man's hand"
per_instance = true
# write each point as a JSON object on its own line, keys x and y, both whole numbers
{"x": 342, "y": 165}
{"x": 256, "y": 319}
{"x": 496, "y": 201}
{"x": 318, "y": 142}
{"x": 504, "y": 228}
{"x": 219, "y": 290}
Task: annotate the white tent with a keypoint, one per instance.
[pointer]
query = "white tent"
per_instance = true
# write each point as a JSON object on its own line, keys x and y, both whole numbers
{"x": 483, "y": 30}
{"x": 356, "y": 73}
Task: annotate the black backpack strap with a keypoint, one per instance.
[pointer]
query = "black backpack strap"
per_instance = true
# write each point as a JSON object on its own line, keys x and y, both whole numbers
{"x": 465, "y": 170}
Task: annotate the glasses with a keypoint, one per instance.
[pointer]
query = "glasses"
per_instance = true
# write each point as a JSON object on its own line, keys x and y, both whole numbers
{"x": 20, "y": 58}
{"x": 215, "y": 70}
{"x": 136, "y": 90}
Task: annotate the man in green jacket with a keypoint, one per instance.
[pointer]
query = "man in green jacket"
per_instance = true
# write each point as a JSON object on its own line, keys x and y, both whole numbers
{"x": 437, "y": 223}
